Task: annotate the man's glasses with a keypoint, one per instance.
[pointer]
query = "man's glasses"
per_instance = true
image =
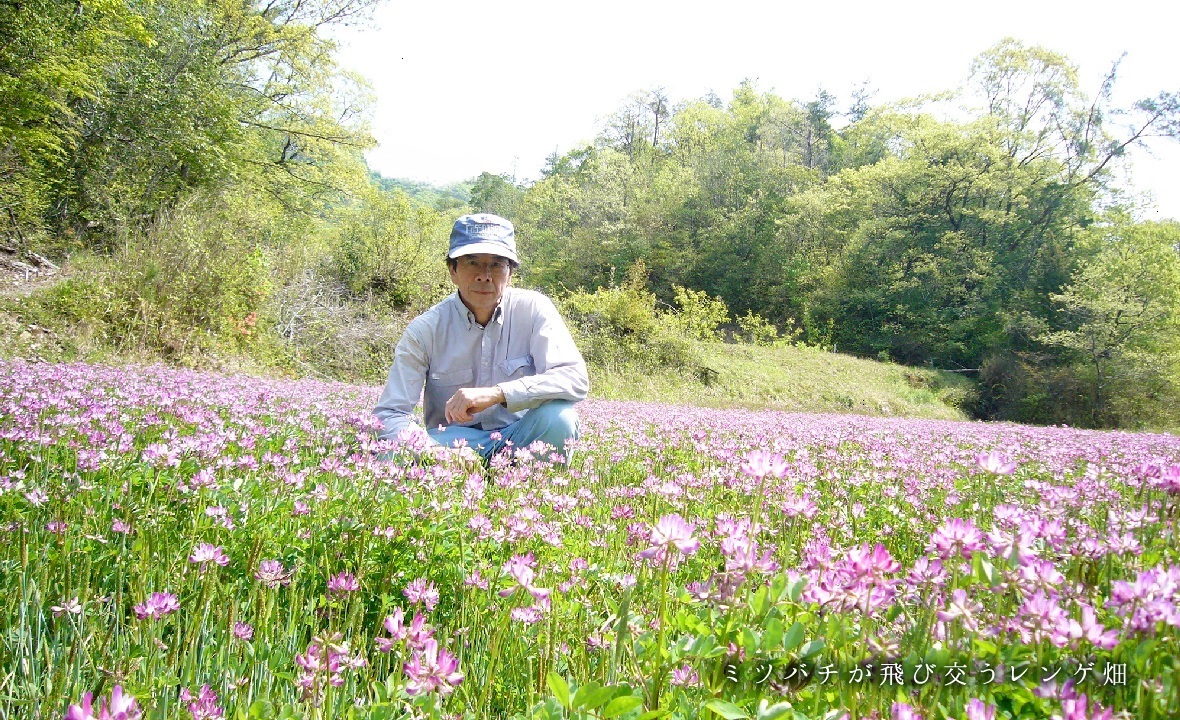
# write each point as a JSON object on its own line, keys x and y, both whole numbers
{"x": 496, "y": 268}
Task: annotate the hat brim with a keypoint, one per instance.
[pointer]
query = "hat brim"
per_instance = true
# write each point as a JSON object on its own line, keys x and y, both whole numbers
{"x": 484, "y": 248}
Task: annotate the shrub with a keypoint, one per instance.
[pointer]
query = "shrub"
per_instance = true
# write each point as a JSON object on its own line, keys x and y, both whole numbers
{"x": 1139, "y": 392}
{"x": 756, "y": 330}
{"x": 390, "y": 249}
{"x": 700, "y": 315}
{"x": 326, "y": 334}
{"x": 618, "y": 326}
{"x": 193, "y": 282}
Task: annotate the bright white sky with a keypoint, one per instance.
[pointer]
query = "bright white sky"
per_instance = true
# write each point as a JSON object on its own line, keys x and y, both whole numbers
{"x": 464, "y": 87}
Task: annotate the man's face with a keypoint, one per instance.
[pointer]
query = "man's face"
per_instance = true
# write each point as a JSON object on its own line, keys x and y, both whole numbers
{"x": 481, "y": 280}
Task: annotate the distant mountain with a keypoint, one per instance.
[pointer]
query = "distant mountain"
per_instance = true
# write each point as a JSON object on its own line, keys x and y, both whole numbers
{"x": 441, "y": 197}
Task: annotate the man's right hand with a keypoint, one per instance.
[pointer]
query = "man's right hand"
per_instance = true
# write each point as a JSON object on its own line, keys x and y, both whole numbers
{"x": 466, "y": 402}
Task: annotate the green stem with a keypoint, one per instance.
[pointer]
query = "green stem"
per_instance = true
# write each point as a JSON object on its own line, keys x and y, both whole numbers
{"x": 493, "y": 657}
{"x": 658, "y": 680}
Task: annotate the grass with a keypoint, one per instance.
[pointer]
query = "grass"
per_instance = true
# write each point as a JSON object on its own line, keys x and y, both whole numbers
{"x": 797, "y": 379}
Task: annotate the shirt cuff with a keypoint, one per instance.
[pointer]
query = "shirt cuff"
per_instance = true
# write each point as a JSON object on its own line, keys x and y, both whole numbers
{"x": 516, "y": 396}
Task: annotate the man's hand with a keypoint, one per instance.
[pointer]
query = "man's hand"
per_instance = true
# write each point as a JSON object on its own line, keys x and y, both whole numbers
{"x": 468, "y": 401}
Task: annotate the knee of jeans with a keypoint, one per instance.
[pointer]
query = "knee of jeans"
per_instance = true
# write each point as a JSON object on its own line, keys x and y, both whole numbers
{"x": 561, "y": 417}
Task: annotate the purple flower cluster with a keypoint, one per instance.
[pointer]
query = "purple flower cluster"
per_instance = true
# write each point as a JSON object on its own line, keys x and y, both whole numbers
{"x": 157, "y": 606}
{"x": 204, "y": 705}
{"x": 325, "y": 660}
{"x": 432, "y": 669}
{"x": 119, "y": 707}
{"x": 206, "y": 554}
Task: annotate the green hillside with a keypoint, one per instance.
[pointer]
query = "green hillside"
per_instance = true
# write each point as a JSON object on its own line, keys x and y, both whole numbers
{"x": 795, "y": 379}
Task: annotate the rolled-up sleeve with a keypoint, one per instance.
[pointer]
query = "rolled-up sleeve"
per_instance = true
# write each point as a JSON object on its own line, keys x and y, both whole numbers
{"x": 560, "y": 369}
{"x": 407, "y": 377}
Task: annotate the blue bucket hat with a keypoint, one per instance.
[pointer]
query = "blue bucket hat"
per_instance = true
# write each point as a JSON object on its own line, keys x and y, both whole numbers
{"x": 483, "y": 233}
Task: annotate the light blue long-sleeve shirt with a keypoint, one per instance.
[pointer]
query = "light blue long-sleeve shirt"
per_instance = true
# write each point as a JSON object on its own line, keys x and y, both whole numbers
{"x": 525, "y": 349}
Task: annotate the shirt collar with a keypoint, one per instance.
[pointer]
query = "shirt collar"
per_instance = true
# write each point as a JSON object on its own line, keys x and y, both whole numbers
{"x": 469, "y": 317}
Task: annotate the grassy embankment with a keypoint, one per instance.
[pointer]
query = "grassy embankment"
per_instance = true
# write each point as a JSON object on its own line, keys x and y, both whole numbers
{"x": 793, "y": 378}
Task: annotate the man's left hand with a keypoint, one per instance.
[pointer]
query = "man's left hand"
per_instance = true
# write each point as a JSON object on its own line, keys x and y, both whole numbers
{"x": 465, "y": 403}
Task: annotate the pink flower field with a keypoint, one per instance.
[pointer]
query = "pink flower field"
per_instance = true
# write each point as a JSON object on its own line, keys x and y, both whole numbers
{"x": 185, "y": 545}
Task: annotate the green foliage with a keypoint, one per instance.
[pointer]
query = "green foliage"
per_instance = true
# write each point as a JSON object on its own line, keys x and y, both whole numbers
{"x": 113, "y": 111}
{"x": 699, "y": 315}
{"x": 52, "y": 59}
{"x": 497, "y": 194}
{"x": 1121, "y": 323}
{"x": 194, "y": 282}
{"x": 194, "y": 162}
{"x": 392, "y": 249}
{"x": 446, "y": 198}
{"x": 617, "y": 326}
{"x": 756, "y": 330}
{"x": 911, "y": 232}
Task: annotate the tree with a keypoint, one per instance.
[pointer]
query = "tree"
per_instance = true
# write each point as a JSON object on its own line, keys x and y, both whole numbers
{"x": 860, "y": 107}
{"x": 1120, "y": 315}
{"x": 495, "y": 194}
{"x": 52, "y": 57}
{"x": 636, "y": 127}
{"x": 117, "y": 108}
{"x": 817, "y": 136}
{"x": 961, "y": 226}
{"x": 914, "y": 232}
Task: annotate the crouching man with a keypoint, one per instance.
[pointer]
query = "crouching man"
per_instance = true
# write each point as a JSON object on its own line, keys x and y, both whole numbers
{"x": 498, "y": 363}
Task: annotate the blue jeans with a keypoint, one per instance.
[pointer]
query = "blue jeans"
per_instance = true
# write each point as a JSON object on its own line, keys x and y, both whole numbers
{"x": 552, "y": 422}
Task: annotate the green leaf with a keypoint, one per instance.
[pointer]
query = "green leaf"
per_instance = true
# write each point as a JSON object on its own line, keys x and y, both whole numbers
{"x": 749, "y": 640}
{"x": 261, "y": 710}
{"x": 707, "y": 646}
{"x": 560, "y": 689}
{"x": 778, "y": 586}
{"x": 288, "y": 713}
{"x": 653, "y": 714}
{"x": 985, "y": 647}
{"x": 772, "y": 635}
{"x": 727, "y": 710}
{"x": 793, "y": 637}
{"x": 977, "y": 573}
{"x": 1143, "y": 653}
{"x": 795, "y": 589}
{"x": 620, "y": 705}
{"x": 548, "y": 710}
{"x": 773, "y": 712}
{"x": 989, "y": 572}
{"x": 812, "y": 649}
{"x": 761, "y": 602}
{"x": 592, "y": 695}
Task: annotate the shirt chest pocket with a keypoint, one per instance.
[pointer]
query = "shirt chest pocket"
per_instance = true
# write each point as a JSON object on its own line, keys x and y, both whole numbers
{"x": 518, "y": 367}
{"x": 456, "y": 378}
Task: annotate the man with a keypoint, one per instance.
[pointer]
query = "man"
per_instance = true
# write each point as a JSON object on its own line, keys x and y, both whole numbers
{"x": 497, "y": 362}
